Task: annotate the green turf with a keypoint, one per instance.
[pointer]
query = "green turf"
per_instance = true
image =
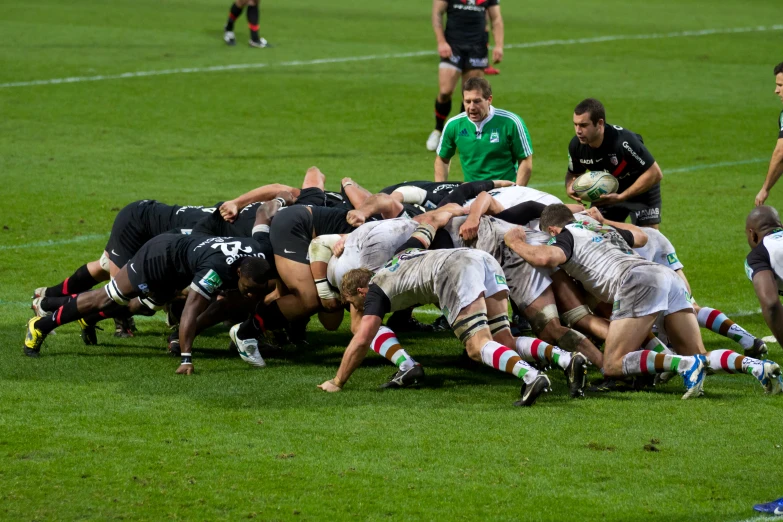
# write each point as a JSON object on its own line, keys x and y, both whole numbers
{"x": 110, "y": 432}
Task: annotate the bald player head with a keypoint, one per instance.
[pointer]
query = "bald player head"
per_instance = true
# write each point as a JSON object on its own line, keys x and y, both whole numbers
{"x": 761, "y": 221}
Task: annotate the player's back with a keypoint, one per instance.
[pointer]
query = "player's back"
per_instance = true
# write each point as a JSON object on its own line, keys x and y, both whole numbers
{"x": 516, "y": 195}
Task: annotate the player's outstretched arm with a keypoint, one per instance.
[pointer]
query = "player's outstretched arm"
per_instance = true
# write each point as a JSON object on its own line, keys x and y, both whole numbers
{"x": 484, "y": 204}
{"x": 231, "y": 208}
{"x": 773, "y": 173}
{"x": 441, "y": 168}
{"x": 355, "y": 353}
{"x": 382, "y": 204}
{"x": 194, "y": 306}
{"x": 438, "y": 9}
{"x": 355, "y": 192}
{"x": 540, "y": 256}
{"x": 767, "y": 291}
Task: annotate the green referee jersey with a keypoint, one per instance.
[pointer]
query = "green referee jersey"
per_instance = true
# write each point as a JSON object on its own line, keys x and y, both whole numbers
{"x": 490, "y": 149}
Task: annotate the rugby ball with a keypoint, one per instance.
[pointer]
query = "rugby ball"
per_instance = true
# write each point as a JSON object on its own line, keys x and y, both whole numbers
{"x": 591, "y": 185}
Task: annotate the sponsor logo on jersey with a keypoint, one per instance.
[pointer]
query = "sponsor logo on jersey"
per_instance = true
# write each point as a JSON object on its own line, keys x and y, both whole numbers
{"x": 144, "y": 288}
{"x": 463, "y": 132}
{"x": 633, "y": 153}
{"x": 552, "y": 241}
{"x": 672, "y": 258}
{"x": 585, "y": 161}
{"x": 748, "y": 270}
{"x": 211, "y": 281}
{"x": 616, "y": 306}
{"x": 499, "y": 279}
{"x": 494, "y": 136}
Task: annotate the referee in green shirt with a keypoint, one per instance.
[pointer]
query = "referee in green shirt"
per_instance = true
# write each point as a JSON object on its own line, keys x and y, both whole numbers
{"x": 493, "y": 144}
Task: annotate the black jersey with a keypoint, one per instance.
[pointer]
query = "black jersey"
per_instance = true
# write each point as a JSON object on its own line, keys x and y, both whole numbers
{"x": 435, "y": 190}
{"x": 466, "y": 21}
{"x": 170, "y": 262}
{"x": 780, "y": 126}
{"x": 767, "y": 255}
{"x": 243, "y": 226}
{"x": 327, "y": 220}
{"x": 622, "y": 154}
{"x": 159, "y": 218}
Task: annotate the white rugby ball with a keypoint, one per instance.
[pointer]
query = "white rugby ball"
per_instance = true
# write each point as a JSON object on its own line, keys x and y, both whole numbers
{"x": 591, "y": 185}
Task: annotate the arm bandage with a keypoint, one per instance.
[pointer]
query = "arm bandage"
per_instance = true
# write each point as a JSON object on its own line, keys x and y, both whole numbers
{"x": 413, "y": 195}
{"x": 320, "y": 248}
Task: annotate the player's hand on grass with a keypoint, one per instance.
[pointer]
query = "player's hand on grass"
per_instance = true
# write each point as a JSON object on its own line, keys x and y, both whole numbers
{"x": 339, "y": 247}
{"x": 329, "y": 386}
{"x": 469, "y": 230}
{"x": 185, "y": 369}
{"x": 229, "y": 211}
{"x": 355, "y": 218}
{"x": 608, "y": 199}
{"x": 762, "y": 196}
{"x": 497, "y": 54}
{"x": 444, "y": 50}
{"x": 514, "y": 235}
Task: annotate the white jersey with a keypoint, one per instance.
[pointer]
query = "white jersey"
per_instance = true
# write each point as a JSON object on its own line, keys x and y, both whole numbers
{"x": 659, "y": 250}
{"x": 370, "y": 246}
{"x": 767, "y": 255}
{"x": 409, "y": 278}
{"x": 510, "y": 196}
{"x": 598, "y": 257}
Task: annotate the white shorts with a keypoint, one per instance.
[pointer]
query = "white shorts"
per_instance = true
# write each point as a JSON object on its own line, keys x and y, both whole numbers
{"x": 466, "y": 277}
{"x": 647, "y": 290}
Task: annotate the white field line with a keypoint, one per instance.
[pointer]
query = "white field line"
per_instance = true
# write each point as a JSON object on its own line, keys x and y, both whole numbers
{"x": 390, "y": 56}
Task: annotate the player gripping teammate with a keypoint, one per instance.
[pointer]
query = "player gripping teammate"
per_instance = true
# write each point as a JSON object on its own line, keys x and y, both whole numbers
{"x": 776, "y": 163}
{"x": 463, "y": 49}
{"x": 493, "y": 143}
{"x": 600, "y": 146}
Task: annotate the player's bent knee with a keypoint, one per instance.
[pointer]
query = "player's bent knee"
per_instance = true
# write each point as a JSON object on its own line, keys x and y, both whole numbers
{"x": 573, "y": 316}
{"x": 543, "y": 317}
{"x": 498, "y": 323}
{"x": 570, "y": 341}
{"x": 114, "y": 293}
{"x": 466, "y": 327}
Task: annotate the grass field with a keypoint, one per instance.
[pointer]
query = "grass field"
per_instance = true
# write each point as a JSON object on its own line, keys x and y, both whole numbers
{"x": 109, "y": 432}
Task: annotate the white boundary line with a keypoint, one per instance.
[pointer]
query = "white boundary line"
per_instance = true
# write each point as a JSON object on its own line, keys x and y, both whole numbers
{"x": 296, "y": 63}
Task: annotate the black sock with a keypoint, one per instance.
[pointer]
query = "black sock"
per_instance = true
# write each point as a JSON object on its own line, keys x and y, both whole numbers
{"x": 67, "y": 313}
{"x": 442, "y": 111}
{"x": 252, "y": 21}
{"x": 263, "y": 318}
{"x": 50, "y": 304}
{"x": 79, "y": 282}
{"x": 234, "y": 13}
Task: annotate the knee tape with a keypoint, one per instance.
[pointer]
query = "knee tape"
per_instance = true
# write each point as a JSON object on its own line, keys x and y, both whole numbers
{"x": 570, "y": 340}
{"x": 413, "y": 195}
{"x": 320, "y": 248}
{"x": 573, "y": 316}
{"x": 470, "y": 326}
{"x": 497, "y": 323}
{"x": 424, "y": 233}
{"x": 104, "y": 261}
{"x": 539, "y": 321}
{"x": 115, "y": 294}
{"x": 151, "y": 304}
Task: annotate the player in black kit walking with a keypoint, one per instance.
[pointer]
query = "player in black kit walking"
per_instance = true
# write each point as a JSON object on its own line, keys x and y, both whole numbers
{"x": 620, "y": 152}
{"x": 462, "y": 47}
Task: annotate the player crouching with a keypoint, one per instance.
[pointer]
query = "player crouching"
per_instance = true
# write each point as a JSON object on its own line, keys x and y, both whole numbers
{"x": 472, "y": 292}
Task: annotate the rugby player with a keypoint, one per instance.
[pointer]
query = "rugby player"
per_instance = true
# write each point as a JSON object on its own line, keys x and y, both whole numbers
{"x": 462, "y": 47}
{"x": 776, "y": 163}
{"x": 601, "y": 258}
{"x": 493, "y": 143}
{"x": 252, "y": 22}
{"x": 764, "y": 264}
{"x": 600, "y": 146}
{"x": 165, "y": 265}
{"x": 469, "y": 286}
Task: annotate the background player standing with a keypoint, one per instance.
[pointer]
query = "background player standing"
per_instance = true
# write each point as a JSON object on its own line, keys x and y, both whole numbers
{"x": 252, "y": 22}
{"x": 776, "y": 163}
{"x": 462, "y": 47}
{"x": 620, "y": 152}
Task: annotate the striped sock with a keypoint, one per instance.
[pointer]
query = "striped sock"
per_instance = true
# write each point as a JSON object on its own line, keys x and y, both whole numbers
{"x": 506, "y": 360}
{"x": 647, "y": 361}
{"x": 535, "y": 350}
{"x": 67, "y": 313}
{"x": 385, "y": 344}
{"x": 656, "y": 345}
{"x": 731, "y": 362}
{"x": 234, "y": 13}
{"x": 717, "y": 321}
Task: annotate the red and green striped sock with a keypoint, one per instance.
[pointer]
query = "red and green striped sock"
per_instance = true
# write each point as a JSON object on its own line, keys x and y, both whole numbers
{"x": 731, "y": 362}
{"x": 505, "y": 359}
{"x": 385, "y": 344}
{"x": 537, "y": 351}
{"x": 647, "y": 361}
{"x": 719, "y": 323}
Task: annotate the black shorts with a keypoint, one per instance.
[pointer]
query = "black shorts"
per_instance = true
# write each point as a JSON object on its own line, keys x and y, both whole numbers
{"x": 467, "y": 57}
{"x": 644, "y": 209}
{"x": 291, "y": 233}
{"x": 129, "y": 232}
{"x": 152, "y": 273}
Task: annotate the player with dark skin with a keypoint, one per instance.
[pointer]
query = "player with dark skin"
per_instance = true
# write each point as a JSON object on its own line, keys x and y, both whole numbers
{"x": 761, "y": 222}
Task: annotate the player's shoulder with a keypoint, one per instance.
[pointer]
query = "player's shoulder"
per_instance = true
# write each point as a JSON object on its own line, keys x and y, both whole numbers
{"x": 508, "y": 116}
